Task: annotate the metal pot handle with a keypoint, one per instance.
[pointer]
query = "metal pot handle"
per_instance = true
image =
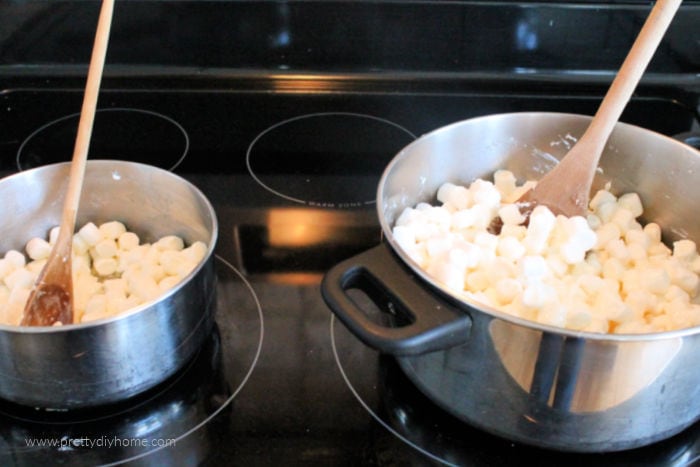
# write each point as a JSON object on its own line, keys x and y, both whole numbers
{"x": 433, "y": 324}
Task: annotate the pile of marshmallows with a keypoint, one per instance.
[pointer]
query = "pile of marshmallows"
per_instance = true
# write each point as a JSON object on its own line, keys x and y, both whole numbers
{"x": 603, "y": 273}
{"x": 112, "y": 271}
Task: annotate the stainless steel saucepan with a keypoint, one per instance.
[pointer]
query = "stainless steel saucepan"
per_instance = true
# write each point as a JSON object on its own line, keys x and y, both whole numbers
{"x": 541, "y": 385}
{"x": 108, "y": 360}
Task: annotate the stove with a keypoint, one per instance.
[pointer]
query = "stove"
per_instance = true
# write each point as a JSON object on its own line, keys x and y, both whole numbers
{"x": 284, "y": 114}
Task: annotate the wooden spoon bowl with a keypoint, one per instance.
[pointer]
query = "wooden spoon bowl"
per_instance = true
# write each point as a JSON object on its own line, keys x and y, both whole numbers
{"x": 51, "y": 300}
{"x": 566, "y": 188}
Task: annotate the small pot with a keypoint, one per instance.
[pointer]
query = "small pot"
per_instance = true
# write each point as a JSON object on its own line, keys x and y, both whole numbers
{"x": 533, "y": 383}
{"x": 79, "y": 365}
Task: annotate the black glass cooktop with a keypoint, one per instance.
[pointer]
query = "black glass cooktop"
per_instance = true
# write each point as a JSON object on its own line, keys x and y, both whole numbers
{"x": 292, "y": 179}
{"x": 285, "y": 114}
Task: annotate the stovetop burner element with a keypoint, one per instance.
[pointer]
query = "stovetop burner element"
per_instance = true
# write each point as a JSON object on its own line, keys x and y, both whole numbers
{"x": 180, "y": 417}
{"x": 332, "y": 150}
{"x": 404, "y": 415}
{"x": 286, "y": 126}
{"x": 118, "y": 133}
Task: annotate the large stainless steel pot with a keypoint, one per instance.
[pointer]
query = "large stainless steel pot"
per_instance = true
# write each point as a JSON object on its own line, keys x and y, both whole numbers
{"x": 80, "y": 365}
{"x": 528, "y": 382}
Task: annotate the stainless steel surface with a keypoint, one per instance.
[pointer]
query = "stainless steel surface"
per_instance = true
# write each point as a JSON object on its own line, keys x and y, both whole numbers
{"x": 87, "y": 364}
{"x": 534, "y": 383}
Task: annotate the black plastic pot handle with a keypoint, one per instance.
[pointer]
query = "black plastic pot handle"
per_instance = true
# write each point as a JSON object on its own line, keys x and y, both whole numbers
{"x": 432, "y": 323}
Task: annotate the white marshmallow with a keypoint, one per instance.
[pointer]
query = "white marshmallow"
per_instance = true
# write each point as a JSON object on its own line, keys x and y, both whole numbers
{"x": 38, "y": 248}
{"x": 599, "y": 273}
{"x": 105, "y": 248}
{"x": 128, "y": 241}
{"x": 173, "y": 242}
{"x": 20, "y": 278}
{"x": 455, "y": 195}
{"x": 99, "y": 255}
{"x": 90, "y": 233}
{"x": 505, "y": 182}
{"x": 112, "y": 230}
{"x": 105, "y": 266}
{"x": 15, "y": 258}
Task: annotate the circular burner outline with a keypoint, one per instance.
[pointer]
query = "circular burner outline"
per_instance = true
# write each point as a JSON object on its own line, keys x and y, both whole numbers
{"x": 385, "y": 425}
{"x": 370, "y": 411}
{"x": 245, "y": 379}
{"x": 114, "y": 109}
{"x": 301, "y": 117}
{"x": 211, "y": 416}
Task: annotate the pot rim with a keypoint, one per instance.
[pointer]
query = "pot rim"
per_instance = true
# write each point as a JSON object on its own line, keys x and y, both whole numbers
{"x": 471, "y": 305}
{"x": 140, "y": 308}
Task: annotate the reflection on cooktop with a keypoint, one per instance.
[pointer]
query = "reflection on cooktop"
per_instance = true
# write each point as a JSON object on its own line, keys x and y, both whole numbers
{"x": 302, "y": 240}
{"x": 180, "y": 420}
{"x": 405, "y": 416}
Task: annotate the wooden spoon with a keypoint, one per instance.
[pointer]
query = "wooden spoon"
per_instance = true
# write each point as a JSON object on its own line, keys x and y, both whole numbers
{"x": 51, "y": 300}
{"x": 566, "y": 188}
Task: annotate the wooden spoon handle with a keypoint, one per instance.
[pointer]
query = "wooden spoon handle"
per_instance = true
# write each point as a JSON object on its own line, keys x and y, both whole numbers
{"x": 632, "y": 69}
{"x": 87, "y": 116}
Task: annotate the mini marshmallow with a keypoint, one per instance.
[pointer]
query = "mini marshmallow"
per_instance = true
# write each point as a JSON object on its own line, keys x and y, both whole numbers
{"x": 516, "y": 194}
{"x": 172, "y": 242}
{"x": 465, "y": 255}
{"x": 601, "y": 197}
{"x": 6, "y": 267}
{"x": 653, "y": 231}
{"x": 115, "y": 288}
{"x": 464, "y": 219}
{"x": 606, "y": 211}
{"x": 507, "y": 289}
{"x": 100, "y": 255}
{"x": 438, "y": 247}
{"x": 455, "y": 195}
{"x": 624, "y": 219}
{"x": 541, "y": 224}
{"x": 537, "y": 295}
{"x": 15, "y": 258}
{"x": 112, "y": 230}
{"x": 511, "y": 248}
{"x": 143, "y": 286}
{"x": 533, "y": 268}
{"x": 685, "y": 250}
{"x": 105, "y": 266}
{"x": 505, "y": 182}
{"x": 14, "y": 308}
{"x": 485, "y": 193}
{"x": 128, "y": 241}
{"x": 632, "y": 203}
{"x": 607, "y": 233}
{"x": 53, "y": 234}
{"x": 80, "y": 246}
{"x": 551, "y": 314}
{"x": 600, "y": 273}
{"x": 404, "y": 236}
{"x": 20, "y": 278}
{"x": 90, "y": 233}
{"x": 448, "y": 274}
{"x": 105, "y": 248}
{"x": 510, "y": 215}
{"x": 38, "y": 248}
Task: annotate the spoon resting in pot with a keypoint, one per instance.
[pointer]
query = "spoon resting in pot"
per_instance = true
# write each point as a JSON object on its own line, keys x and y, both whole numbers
{"x": 566, "y": 188}
{"x": 51, "y": 299}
